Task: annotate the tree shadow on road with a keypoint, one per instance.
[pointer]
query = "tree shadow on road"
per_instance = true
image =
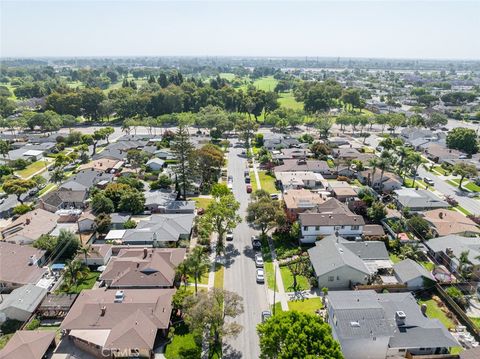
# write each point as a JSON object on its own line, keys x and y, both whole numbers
{"x": 230, "y": 253}
{"x": 230, "y": 353}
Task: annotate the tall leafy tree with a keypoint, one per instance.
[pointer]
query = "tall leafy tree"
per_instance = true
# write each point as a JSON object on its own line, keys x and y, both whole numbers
{"x": 183, "y": 151}
{"x": 265, "y": 212}
{"x": 297, "y": 335}
{"x": 463, "y": 139}
{"x": 464, "y": 170}
{"x": 18, "y": 187}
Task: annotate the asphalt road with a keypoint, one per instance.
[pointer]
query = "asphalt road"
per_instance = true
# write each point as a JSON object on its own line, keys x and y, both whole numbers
{"x": 470, "y": 204}
{"x": 240, "y": 271}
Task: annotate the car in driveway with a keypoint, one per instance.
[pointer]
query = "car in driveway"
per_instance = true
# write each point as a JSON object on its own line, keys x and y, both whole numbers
{"x": 249, "y": 188}
{"x": 265, "y": 315}
{"x": 229, "y": 236}
{"x": 260, "y": 275}
{"x": 428, "y": 181}
{"x": 256, "y": 244}
{"x": 259, "y": 260}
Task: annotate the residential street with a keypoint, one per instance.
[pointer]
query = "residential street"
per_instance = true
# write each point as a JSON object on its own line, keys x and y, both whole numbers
{"x": 240, "y": 271}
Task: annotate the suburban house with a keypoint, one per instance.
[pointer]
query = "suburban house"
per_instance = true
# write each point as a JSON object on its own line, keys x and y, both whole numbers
{"x": 291, "y": 153}
{"x": 20, "y": 265}
{"x": 447, "y": 251}
{"x": 30, "y": 152}
{"x": 445, "y": 222}
{"x": 97, "y": 255}
{"x": 86, "y": 222}
{"x": 330, "y": 217}
{"x": 63, "y": 198}
{"x": 155, "y": 164}
{"x": 299, "y": 179}
{"x": 418, "y": 199}
{"x": 165, "y": 202}
{"x": 388, "y": 182}
{"x": 440, "y": 153}
{"x": 279, "y": 142}
{"x": 414, "y": 275}
{"x": 340, "y": 264}
{"x": 30, "y": 226}
{"x": 349, "y": 153}
{"x": 31, "y": 344}
{"x": 159, "y": 230}
{"x": 301, "y": 200}
{"x": 296, "y": 165}
{"x": 22, "y": 302}
{"x": 370, "y": 325}
{"x": 103, "y": 164}
{"x": 341, "y": 190}
{"x": 86, "y": 179}
{"x": 143, "y": 268}
{"x": 133, "y": 321}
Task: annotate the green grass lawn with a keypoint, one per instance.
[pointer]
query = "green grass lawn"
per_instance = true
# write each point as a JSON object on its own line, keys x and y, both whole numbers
{"x": 267, "y": 181}
{"x": 49, "y": 187}
{"x": 287, "y": 100}
{"x": 475, "y": 321}
{"x": 472, "y": 187}
{"x": 394, "y": 258}
{"x": 253, "y": 181}
{"x": 227, "y": 76}
{"x": 434, "y": 311}
{"x": 203, "y": 279}
{"x": 463, "y": 210}
{"x": 308, "y": 306}
{"x": 219, "y": 275}
{"x": 183, "y": 344}
{"x": 87, "y": 283}
{"x": 330, "y": 163}
{"x": 267, "y": 83}
{"x": 428, "y": 266}
{"x": 453, "y": 183}
{"x": 201, "y": 202}
{"x": 32, "y": 169}
{"x": 418, "y": 182}
{"x": 441, "y": 170}
{"x": 278, "y": 307}
{"x": 287, "y": 277}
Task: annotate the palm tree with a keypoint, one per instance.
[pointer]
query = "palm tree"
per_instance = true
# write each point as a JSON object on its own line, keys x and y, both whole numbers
{"x": 182, "y": 272}
{"x": 198, "y": 264}
{"x": 86, "y": 250}
{"x": 402, "y": 153}
{"x": 384, "y": 164}
{"x": 415, "y": 160}
{"x": 464, "y": 265}
{"x": 75, "y": 271}
{"x": 374, "y": 164}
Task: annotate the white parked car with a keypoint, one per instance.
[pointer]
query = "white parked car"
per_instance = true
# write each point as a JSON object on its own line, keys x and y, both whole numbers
{"x": 259, "y": 260}
{"x": 260, "y": 275}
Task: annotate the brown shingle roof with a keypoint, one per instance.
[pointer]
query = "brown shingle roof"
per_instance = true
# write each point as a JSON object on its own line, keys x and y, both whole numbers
{"x": 132, "y": 322}
{"x": 153, "y": 267}
{"x": 15, "y": 266}
{"x": 32, "y": 224}
{"x": 294, "y": 198}
{"x": 31, "y": 344}
{"x": 450, "y": 222}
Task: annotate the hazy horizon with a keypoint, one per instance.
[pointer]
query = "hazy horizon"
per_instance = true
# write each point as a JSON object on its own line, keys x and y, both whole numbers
{"x": 406, "y": 30}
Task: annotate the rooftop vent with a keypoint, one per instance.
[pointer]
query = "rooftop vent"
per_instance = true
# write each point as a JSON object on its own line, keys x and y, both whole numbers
{"x": 400, "y": 317}
{"x": 355, "y": 324}
{"x": 103, "y": 310}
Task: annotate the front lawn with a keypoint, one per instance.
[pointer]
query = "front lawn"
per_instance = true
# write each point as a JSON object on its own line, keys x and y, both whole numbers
{"x": 253, "y": 181}
{"x": 309, "y": 305}
{"x": 278, "y": 308}
{"x": 463, "y": 210}
{"x": 203, "y": 279}
{"x": 287, "y": 278}
{"x": 434, "y": 311}
{"x": 441, "y": 170}
{"x": 202, "y": 202}
{"x": 472, "y": 187}
{"x": 408, "y": 182}
{"x": 219, "y": 275}
{"x": 267, "y": 181}
{"x": 38, "y": 166}
{"x": 183, "y": 344}
{"x": 86, "y": 283}
{"x": 49, "y": 187}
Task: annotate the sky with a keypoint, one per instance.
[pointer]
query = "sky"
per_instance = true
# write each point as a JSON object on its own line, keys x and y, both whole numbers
{"x": 383, "y": 28}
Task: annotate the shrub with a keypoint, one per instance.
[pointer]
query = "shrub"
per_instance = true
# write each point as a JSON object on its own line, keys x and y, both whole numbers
{"x": 22, "y": 209}
{"x": 34, "y": 324}
{"x": 451, "y": 201}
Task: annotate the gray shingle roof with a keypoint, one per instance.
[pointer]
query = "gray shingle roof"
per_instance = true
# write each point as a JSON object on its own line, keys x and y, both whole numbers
{"x": 458, "y": 244}
{"x": 368, "y": 249}
{"x": 408, "y": 269}
{"x": 421, "y": 198}
{"x": 328, "y": 255}
{"x": 27, "y": 298}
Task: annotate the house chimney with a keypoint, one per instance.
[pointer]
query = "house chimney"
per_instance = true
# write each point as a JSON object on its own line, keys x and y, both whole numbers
{"x": 440, "y": 215}
{"x": 103, "y": 310}
{"x": 145, "y": 253}
{"x": 27, "y": 221}
{"x": 400, "y": 317}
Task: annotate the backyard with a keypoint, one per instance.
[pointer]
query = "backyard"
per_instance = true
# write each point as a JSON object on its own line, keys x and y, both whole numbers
{"x": 435, "y": 310}
{"x": 182, "y": 344}
{"x": 86, "y": 283}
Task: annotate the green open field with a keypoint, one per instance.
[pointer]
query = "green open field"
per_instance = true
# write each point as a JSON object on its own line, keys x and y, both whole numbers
{"x": 227, "y": 75}
{"x": 287, "y": 100}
